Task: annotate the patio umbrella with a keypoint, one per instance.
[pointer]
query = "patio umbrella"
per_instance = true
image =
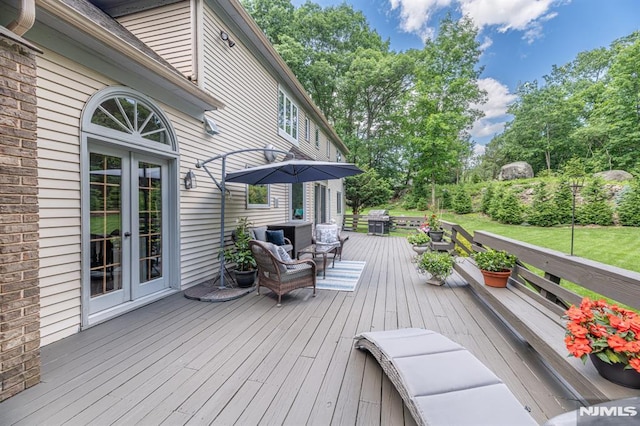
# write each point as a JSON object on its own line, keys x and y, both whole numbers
{"x": 289, "y": 171}
{"x": 293, "y": 171}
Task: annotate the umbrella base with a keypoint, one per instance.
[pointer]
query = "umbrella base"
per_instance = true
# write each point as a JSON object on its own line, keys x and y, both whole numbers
{"x": 210, "y": 292}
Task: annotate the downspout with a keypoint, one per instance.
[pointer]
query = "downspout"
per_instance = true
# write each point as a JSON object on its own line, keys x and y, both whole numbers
{"x": 25, "y": 19}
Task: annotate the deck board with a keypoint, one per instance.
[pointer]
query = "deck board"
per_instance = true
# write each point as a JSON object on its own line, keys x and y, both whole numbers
{"x": 246, "y": 361}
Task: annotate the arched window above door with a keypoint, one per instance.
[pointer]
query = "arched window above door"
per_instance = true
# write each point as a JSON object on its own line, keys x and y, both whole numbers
{"x": 128, "y": 115}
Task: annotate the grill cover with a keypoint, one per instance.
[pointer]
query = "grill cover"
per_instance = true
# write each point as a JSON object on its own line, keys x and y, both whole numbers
{"x": 379, "y": 215}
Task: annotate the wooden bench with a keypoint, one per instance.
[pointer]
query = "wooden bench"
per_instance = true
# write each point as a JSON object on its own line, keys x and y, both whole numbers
{"x": 441, "y": 382}
{"x": 533, "y": 306}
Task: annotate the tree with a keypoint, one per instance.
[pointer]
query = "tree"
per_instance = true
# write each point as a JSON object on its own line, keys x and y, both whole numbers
{"x": 365, "y": 190}
{"x": 440, "y": 111}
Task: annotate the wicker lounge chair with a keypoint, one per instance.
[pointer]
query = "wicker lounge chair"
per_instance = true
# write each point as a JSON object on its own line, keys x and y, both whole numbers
{"x": 278, "y": 276}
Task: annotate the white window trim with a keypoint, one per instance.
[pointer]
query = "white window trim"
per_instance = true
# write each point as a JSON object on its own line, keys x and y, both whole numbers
{"x": 267, "y": 205}
{"x": 328, "y": 148}
{"x": 282, "y": 121}
{"x": 307, "y": 129}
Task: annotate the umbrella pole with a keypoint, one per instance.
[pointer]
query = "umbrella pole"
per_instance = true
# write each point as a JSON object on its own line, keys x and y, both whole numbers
{"x": 222, "y": 186}
{"x": 222, "y": 205}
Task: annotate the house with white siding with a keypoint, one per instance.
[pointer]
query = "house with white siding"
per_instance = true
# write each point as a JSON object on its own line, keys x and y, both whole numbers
{"x": 107, "y": 106}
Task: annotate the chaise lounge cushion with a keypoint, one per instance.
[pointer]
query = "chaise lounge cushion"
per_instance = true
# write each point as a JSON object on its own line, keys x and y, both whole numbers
{"x": 440, "y": 381}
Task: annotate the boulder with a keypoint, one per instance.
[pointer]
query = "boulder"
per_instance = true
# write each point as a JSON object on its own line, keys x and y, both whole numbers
{"x": 516, "y": 170}
{"x": 614, "y": 175}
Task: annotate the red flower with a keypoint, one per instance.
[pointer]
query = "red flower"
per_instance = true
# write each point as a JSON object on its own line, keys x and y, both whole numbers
{"x": 579, "y": 347}
{"x": 616, "y": 343}
{"x": 577, "y": 330}
{"x": 598, "y": 327}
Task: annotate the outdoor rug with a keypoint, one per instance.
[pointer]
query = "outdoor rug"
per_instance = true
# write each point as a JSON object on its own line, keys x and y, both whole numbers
{"x": 343, "y": 277}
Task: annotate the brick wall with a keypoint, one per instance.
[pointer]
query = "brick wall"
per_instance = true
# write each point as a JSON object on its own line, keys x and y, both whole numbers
{"x": 19, "y": 261}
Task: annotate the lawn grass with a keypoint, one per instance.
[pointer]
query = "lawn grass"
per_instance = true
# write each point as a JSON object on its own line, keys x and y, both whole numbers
{"x": 613, "y": 245}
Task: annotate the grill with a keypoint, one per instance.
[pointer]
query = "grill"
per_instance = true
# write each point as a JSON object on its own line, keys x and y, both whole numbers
{"x": 379, "y": 222}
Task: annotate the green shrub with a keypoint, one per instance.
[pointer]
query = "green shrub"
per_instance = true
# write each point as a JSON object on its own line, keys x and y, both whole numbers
{"x": 629, "y": 208}
{"x": 563, "y": 202}
{"x": 487, "y": 196}
{"x": 510, "y": 209}
{"x": 595, "y": 210}
{"x": 461, "y": 201}
{"x": 542, "y": 211}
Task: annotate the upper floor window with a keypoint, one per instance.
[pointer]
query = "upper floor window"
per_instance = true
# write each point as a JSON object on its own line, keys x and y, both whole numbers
{"x": 328, "y": 148}
{"x": 307, "y": 129}
{"x": 317, "y": 138}
{"x": 287, "y": 117}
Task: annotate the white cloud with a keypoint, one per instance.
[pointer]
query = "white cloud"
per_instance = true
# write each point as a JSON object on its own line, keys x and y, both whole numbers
{"x": 519, "y": 15}
{"x": 495, "y": 109}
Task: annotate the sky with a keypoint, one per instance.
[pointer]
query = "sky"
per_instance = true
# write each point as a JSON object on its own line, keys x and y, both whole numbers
{"x": 520, "y": 39}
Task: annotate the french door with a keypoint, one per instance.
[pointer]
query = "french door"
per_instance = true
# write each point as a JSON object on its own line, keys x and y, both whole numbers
{"x": 128, "y": 227}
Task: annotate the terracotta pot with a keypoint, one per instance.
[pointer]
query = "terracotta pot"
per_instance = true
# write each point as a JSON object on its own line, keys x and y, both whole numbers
{"x": 616, "y": 373}
{"x": 496, "y": 279}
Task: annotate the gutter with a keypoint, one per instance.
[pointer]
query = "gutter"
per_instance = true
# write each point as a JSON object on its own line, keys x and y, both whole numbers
{"x": 26, "y": 18}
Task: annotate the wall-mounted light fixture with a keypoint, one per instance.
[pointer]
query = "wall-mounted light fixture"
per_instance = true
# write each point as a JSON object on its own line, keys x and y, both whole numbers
{"x": 190, "y": 180}
{"x": 224, "y": 36}
{"x": 210, "y": 127}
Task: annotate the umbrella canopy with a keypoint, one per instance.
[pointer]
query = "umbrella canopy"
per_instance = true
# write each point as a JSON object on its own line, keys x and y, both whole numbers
{"x": 293, "y": 171}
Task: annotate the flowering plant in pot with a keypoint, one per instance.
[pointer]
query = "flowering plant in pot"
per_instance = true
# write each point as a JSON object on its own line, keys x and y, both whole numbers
{"x": 433, "y": 227}
{"x": 609, "y": 335}
{"x": 438, "y": 264}
{"x": 495, "y": 266}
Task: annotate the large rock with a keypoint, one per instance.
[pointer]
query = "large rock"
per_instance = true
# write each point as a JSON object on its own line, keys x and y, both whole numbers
{"x": 614, "y": 175}
{"x": 516, "y": 170}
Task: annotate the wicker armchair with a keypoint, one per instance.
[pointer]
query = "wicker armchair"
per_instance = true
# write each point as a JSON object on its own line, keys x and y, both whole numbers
{"x": 278, "y": 276}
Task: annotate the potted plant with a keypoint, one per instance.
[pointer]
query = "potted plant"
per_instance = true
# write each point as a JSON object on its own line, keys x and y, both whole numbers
{"x": 434, "y": 228}
{"x": 419, "y": 241}
{"x": 240, "y": 254}
{"x": 438, "y": 264}
{"x": 610, "y": 336}
{"x": 495, "y": 266}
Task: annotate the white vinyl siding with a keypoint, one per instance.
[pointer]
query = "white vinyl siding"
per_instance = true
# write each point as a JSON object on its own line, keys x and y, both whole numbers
{"x": 168, "y": 31}
{"x": 63, "y": 89}
{"x": 287, "y": 117}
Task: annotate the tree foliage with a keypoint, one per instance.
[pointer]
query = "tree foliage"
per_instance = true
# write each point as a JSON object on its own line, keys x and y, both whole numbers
{"x": 366, "y": 190}
{"x": 587, "y": 108}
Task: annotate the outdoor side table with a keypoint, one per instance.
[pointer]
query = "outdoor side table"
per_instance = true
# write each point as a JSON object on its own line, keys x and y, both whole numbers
{"x": 316, "y": 250}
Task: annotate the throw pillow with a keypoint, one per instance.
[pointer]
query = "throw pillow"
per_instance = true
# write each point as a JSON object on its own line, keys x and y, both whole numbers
{"x": 284, "y": 256}
{"x": 274, "y": 250}
{"x": 260, "y": 233}
{"x": 276, "y": 237}
{"x": 327, "y": 235}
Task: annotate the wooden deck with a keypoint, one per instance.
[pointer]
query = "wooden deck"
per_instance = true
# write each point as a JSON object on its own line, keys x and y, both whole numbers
{"x": 247, "y": 362}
